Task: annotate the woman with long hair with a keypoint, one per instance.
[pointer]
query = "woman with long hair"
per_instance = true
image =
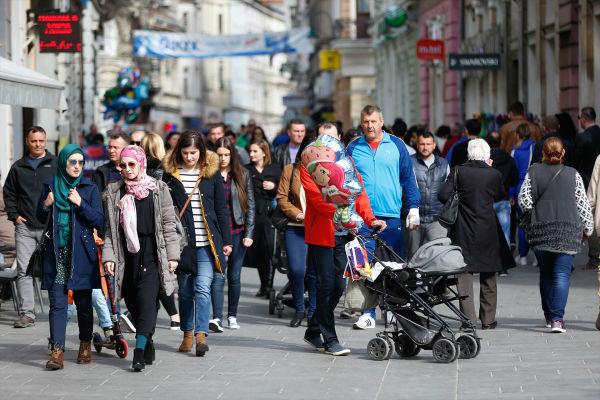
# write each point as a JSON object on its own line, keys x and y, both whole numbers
{"x": 192, "y": 175}
{"x": 70, "y": 257}
{"x": 239, "y": 196}
{"x": 265, "y": 178}
{"x": 560, "y": 217}
{"x": 291, "y": 199}
{"x": 141, "y": 246}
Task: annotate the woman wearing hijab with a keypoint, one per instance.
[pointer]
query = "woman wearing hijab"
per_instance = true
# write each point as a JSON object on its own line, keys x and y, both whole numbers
{"x": 141, "y": 246}
{"x": 71, "y": 258}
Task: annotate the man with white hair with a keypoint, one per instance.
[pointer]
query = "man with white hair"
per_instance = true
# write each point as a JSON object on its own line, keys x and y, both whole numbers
{"x": 477, "y": 230}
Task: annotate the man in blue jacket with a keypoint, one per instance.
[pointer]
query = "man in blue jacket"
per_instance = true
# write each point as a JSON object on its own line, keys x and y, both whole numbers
{"x": 387, "y": 172}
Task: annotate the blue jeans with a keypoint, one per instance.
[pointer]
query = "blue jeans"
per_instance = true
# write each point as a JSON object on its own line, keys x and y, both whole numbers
{"x": 555, "y": 277}
{"x": 194, "y": 293}
{"x": 296, "y": 254}
{"x": 233, "y": 269}
{"x": 100, "y": 305}
{"x": 502, "y": 209}
{"x": 392, "y": 236}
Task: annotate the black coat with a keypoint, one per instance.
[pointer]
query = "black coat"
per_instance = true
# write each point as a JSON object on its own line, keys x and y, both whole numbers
{"x": 477, "y": 230}
{"x": 264, "y": 198}
{"x": 217, "y": 217}
{"x": 587, "y": 149}
{"x": 504, "y": 163}
{"x": 23, "y": 187}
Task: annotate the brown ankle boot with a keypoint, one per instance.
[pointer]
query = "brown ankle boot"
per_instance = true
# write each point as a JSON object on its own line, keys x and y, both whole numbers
{"x": 201, "y": 346}
{"x": 187, "y": 342}
{"x": 56, "y": 359}
{"x": 85, "y": 352}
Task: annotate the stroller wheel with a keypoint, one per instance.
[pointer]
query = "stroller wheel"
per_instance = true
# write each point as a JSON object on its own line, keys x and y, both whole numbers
{"x": 379, "y": 349}
{"x": 469, "y": 346}
{"x": 391, "y": 347}
{"x": 97, "y": 340}
{"x": 121, "y": 348}
{"x": 272, "y": 302}
{"x": 444, "y": 350}
{"x": 405, "y": 347}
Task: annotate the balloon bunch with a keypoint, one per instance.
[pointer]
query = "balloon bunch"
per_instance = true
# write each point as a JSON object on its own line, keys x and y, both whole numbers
{"x": 335, "y": 174}
{"x": 127, "y": 96}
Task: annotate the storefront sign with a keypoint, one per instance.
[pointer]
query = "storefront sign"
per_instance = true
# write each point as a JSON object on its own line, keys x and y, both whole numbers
{"x": 59, "y": 32}
{"x": 330, "y": 60}
{"x": 428, "y": 49}
{"x": 473, "y": 61}
{"x": 156, "y": 44}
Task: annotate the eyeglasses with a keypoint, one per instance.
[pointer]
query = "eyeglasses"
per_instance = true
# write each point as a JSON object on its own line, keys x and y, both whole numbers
{"x": 73, "y": 163}
{"x": 136, "y": 142}
{"x": 130, "y": 164}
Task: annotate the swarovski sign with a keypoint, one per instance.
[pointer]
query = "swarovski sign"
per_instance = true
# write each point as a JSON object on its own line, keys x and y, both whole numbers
{"x": 473, "y": 61}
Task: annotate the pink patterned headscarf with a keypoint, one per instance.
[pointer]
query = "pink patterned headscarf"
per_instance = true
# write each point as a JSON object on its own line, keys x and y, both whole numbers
{"x": 137, "y": 188}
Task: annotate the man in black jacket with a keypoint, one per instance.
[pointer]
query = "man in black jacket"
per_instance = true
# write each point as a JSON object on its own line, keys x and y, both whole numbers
{"x": 285, "y": 153}
{"x": 587, "y": 149}
{"x": 22, "y": 192}
{"x": 109, "y": 172}
{"x": 550, "y": 127}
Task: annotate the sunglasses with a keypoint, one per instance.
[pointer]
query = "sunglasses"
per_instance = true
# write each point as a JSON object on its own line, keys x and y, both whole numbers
{"x": 136, "y": 142}
{"x": 73, "y": 163}
{"x": 130, "y": 164}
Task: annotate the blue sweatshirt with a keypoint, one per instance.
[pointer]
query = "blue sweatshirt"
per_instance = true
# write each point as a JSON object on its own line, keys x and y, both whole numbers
{"x": 386, "y": 173}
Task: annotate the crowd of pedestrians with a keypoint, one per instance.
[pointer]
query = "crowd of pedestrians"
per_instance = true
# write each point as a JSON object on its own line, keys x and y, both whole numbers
{"x": 177, "y": 218}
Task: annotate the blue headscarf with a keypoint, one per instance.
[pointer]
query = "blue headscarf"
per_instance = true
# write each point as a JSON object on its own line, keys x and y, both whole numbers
{"x": 63, "y": 183}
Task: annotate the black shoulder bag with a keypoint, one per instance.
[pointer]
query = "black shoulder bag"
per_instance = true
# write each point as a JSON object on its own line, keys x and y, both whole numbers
{"x": 35, "y": 267}
{"x": 525, "y": 220}
{"x": 449, "y": 211}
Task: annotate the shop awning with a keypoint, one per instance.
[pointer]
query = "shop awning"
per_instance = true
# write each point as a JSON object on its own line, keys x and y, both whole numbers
{"x": 21, "y": 86}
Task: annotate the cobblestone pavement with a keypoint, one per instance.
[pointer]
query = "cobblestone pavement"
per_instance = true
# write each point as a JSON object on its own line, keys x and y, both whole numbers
{"x": 267, "y": 359}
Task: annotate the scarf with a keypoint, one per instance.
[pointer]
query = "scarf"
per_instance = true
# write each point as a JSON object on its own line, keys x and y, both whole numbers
{"x": 63, "y": 183}
{"x": 135, "y": 189}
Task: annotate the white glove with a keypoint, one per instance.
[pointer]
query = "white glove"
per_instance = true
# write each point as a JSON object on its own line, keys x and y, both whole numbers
{"x": 413, "y": 218}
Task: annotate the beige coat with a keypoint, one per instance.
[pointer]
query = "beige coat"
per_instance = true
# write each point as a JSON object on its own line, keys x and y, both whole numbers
{"x": 167, "y": 239}
{"x": 593, "y": 195}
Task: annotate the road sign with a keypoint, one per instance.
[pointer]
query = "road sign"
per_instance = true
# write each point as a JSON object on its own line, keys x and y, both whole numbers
{"x": 428, "y": 49}
{"x": 330, "y": 60}
{"x": 474, "y": 61}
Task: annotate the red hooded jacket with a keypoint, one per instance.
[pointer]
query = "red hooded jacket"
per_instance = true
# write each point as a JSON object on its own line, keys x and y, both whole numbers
{"x": 318, "y": 219}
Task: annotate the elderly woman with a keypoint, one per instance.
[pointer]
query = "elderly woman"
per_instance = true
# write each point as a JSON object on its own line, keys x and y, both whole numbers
{"x": 70, "y": 257}
{"x": 560, "y": 218}
{"x": 141, "y": 246}
{"x": 477, "y": 230}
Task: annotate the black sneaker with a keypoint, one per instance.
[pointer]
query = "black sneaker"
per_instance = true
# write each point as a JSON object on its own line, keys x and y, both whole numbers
{"x": 337, "y": 350}
{"x": 175, "y": 325}
{"x": 315, "y": 342}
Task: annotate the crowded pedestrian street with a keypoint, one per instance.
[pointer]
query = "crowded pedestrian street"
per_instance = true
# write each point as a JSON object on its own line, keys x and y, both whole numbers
{"x": 300, "y": 199}
{"x": 267, "y": 359}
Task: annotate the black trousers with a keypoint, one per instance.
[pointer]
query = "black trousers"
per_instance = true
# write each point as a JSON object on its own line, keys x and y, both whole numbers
{"x": 262, "y": 250}
{"x": 168, "y": 303}
{"x": 140, "y": 293}
{"x": 58, "y": 296}
{"x": 329, "y": 264}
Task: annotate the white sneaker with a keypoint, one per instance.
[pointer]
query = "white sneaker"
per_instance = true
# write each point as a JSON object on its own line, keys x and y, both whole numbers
{"x": 534, "y": 263}
{"x": 215, "y": 325}
{"x": 128, "y": 323}
{"x": 365, "y": 321}
{"x": 232, "y": 323}
{"x": 521, "y": 260}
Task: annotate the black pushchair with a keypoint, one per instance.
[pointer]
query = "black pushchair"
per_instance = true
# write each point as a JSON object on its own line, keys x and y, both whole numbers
{"x": 410, "y": 291}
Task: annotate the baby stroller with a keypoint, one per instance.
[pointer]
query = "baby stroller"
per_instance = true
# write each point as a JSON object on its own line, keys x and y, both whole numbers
{"x": 117, "y": 341}
{"x": 410, "y": 292}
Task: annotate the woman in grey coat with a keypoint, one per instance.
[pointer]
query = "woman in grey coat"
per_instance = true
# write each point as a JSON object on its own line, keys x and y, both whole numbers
{"x": 141, "y": 246}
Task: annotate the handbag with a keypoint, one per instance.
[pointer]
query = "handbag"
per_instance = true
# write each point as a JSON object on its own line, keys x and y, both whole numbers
{"x": 35, "y": 267}
{"x": 449, "y": 211}
{"x": 278, "y": 218}
{"x": 525, "y": 220}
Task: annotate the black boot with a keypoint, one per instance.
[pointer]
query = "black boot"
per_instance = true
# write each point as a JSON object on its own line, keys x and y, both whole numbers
{"x": 138, "y": 360}
{"x": 149, "y": 353}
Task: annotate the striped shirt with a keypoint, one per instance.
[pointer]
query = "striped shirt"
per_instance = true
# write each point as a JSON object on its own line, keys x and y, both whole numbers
{"x": 189, "y": 177}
